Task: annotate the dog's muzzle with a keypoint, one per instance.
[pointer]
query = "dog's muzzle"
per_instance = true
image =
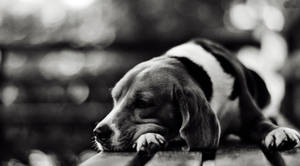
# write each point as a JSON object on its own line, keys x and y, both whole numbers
{"x": 103, "y": 133}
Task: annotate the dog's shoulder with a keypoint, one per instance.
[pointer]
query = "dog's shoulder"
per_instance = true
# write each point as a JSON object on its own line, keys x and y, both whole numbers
{"x": 213, "y": 73}
{"x": 212, "y": 47}
{"x": 256, "y": 84}
{"x": 214, "y": 69}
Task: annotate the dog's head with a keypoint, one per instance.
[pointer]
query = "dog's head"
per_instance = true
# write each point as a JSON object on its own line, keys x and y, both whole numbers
{"x": 158, "y": 96}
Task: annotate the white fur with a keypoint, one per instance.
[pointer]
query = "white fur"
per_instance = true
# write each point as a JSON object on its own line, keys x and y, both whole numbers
{"x": 108, "y": 120}
{"x": 147, "y": 138}
{"x": 222, "y": 82}
{"x": 99, "y": 146}
{"x": 281, "y": 135}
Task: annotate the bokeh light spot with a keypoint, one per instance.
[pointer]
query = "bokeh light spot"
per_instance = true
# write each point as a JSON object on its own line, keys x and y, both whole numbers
{"x": 38, "y": 158}
{"x": 9, "y": 95}
{"x": 52, "y": 15}
{"x": 62, "y": 65}
{"x": 78, "y": 92}
{"x": 70, "y": 63}
{"x": 78, "y": 4}
{"x": 273, "y": 18}
{"x": 14, "y": 63}
{"x": 101, "y": 62}
{"x": 243, "y": 17}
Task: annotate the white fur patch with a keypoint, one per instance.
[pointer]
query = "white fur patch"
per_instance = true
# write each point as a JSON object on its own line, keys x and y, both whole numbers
{"x": 108, "y": 120}
{"x": 222, "y": 82}
{"x": 147, "y": 138}
{"x": 282, "y": 135}
{"x": 116, "y": 135}
{"x": 99, "y": 146}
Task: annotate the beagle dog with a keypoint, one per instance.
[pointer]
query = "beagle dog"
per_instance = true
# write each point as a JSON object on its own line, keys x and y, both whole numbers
{"x": 196, "y": 92}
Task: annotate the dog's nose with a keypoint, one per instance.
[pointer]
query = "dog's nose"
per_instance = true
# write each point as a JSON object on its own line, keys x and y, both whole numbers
{"x": 103, "y": 133}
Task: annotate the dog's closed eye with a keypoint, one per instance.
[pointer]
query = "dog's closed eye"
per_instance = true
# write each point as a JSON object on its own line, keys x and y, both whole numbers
{"x": 140, "y": 103}
{"x": 143, "y": 100}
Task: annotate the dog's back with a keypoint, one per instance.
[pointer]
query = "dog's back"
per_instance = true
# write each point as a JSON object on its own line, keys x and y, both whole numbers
{"x": 216, "y": 76}
{"x": 208, "y": 56}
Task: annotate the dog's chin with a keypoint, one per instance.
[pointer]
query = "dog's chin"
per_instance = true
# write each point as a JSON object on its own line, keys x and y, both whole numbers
{"x": 99, "y": 146}
{"x": 109, "y": 148}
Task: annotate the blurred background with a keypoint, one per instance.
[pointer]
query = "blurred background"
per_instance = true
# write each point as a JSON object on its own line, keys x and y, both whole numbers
{"x": 60, "y": 58}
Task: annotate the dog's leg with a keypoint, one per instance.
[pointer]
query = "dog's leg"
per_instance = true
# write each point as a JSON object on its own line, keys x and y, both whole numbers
{"x": 272, "y": 136}
{"x": 282, "y": 138}
{"x": 148, "y": 140}
{"x": 262, "y": 131}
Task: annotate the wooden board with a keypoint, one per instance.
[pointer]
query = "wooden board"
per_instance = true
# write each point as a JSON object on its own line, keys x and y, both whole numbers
{"x": 292, "y": 158}
{"x": 109, "y": 159}
{"x": 241, "y": 157}
{"x": 239, "y": 154}
{"x": 160, "y": 158}
{"x": 177, "y": 158}
{"x": 253, "y": 156}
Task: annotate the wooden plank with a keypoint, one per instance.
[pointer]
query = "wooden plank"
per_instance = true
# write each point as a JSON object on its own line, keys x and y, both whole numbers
{"x": 111, "y": 159}
{"x": 292, "y": 157}
{"x": 255, "y": 157}
{"x": 176, "y": 158}
{"x": 237, "y": 153}
{"x": 240, "y": 156}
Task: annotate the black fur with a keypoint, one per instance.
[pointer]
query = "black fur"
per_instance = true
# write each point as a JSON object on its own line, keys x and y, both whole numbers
{"x": 199, "y": 75}
{"x": 255, "y": 83}
{"x": 257, "y": 88}
{"x": 219, "y": 53}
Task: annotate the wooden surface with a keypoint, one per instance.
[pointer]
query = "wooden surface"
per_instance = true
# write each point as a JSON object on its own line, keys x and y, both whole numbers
{"x": 292, "y": 158}
{"x": 240, "y": 155}
{"x": 176, "y": 159}
{"x": 246, "y": 156}
{"x": 111, "y": 159}
{"x": 166, "y": 158}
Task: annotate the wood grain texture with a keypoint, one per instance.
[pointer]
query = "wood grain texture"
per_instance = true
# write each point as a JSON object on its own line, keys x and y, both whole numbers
{"x": 160, "y": 158}
{"x": 236, "y": 155}
{"x": 111, "y": 159}
{"x": 292, "y": 157}
{"x": 241, "y": 157}
{"x": 176, "y": 158}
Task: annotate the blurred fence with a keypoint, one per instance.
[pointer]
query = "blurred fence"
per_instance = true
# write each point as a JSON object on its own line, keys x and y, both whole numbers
{"x": 53, "y": 97}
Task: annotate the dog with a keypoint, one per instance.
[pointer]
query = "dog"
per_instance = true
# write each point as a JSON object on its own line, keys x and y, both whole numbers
{"x": 196, "y": 92}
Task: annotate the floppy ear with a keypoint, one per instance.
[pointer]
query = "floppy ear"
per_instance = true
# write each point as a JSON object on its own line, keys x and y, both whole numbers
{"x": 200, "y": 127}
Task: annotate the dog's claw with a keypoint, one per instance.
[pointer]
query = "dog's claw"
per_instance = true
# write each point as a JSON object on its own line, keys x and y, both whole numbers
{"x": 282, "y": 138}
{"x": 145, "y": 140}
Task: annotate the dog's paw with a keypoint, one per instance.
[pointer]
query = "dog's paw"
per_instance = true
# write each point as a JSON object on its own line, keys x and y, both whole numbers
{"x": 149, "y": 140}
{"x": 282, "y": 138}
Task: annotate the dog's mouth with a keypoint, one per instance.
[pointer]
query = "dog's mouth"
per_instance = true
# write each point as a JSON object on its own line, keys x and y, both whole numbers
{"x": 110, "y": 147}
{"x": 125, "y": 140}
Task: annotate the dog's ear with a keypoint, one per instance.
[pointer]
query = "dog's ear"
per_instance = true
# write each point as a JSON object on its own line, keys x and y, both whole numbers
{"x": 200, "y": 127}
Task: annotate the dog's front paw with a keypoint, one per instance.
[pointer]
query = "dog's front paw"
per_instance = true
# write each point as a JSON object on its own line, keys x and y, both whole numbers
{"x": 282, "y": 138}
{"x": 149, "y": 140}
